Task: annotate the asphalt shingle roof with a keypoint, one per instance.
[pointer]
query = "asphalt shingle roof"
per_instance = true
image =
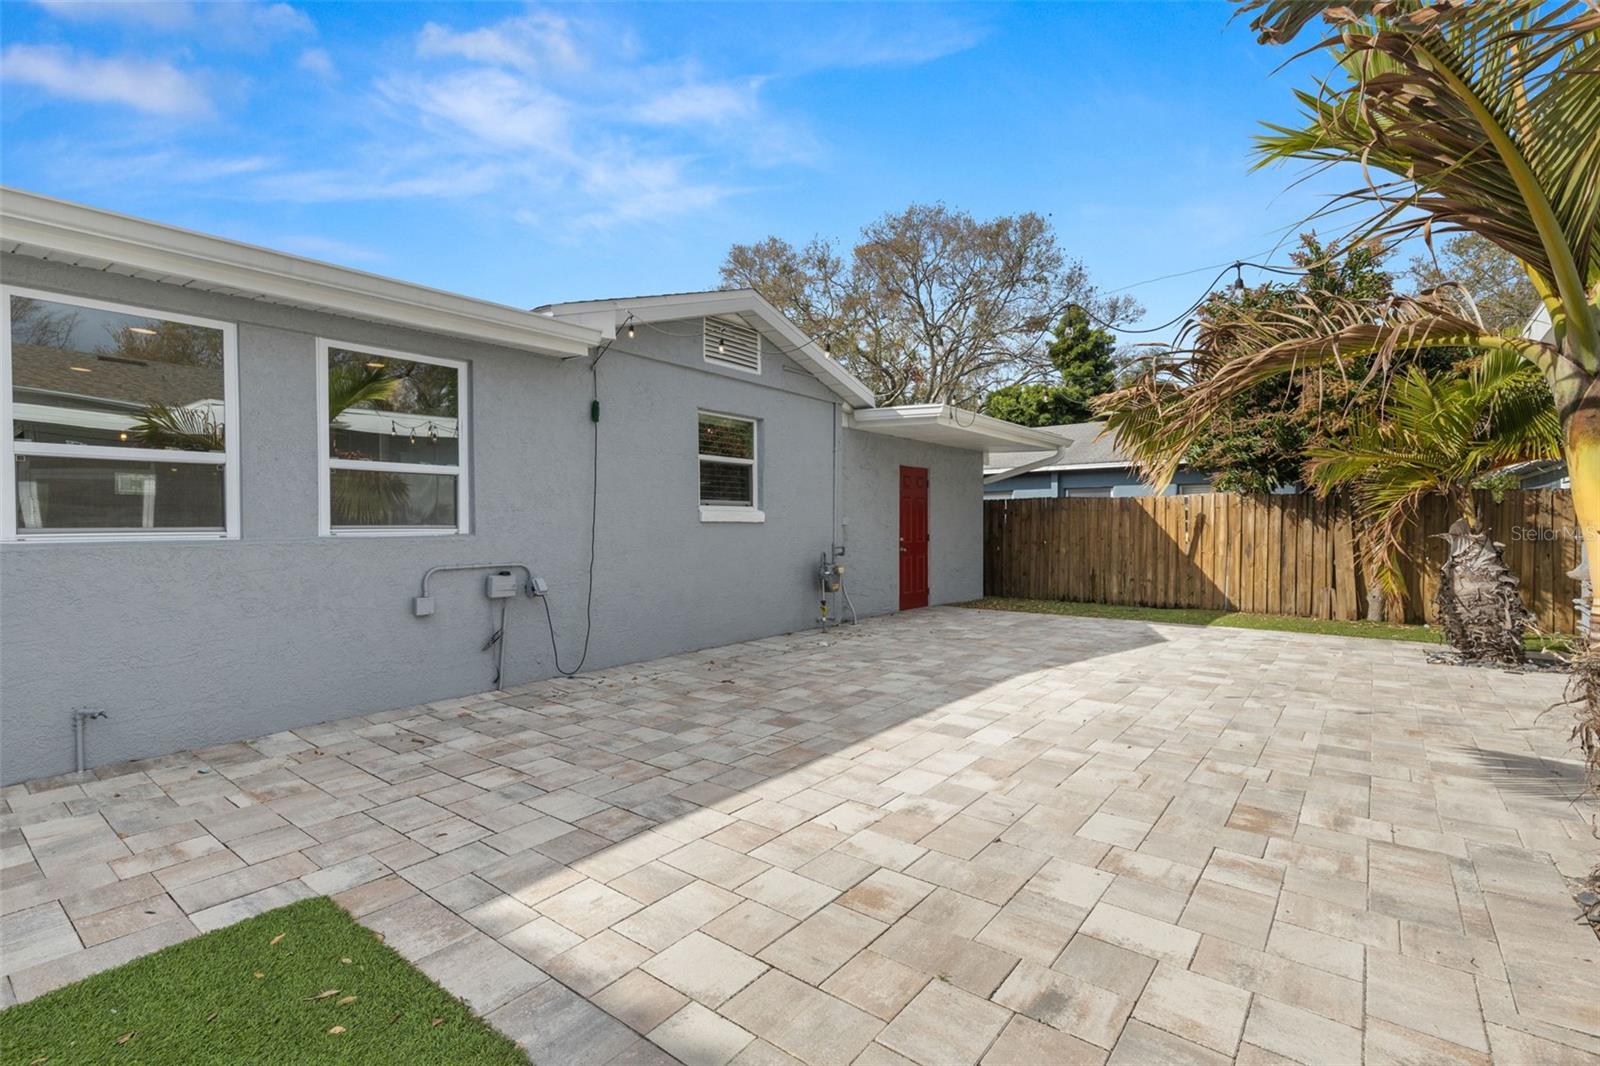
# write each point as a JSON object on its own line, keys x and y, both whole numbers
{"x": 131, "y": 381}
{"x": 1087, "y": 446}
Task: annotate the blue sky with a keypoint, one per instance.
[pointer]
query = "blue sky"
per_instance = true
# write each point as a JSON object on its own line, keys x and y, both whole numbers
{"x": 536, "y": 153}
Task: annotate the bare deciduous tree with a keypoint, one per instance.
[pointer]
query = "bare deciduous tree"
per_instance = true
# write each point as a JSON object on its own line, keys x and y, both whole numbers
{"x": 932, "y": 305}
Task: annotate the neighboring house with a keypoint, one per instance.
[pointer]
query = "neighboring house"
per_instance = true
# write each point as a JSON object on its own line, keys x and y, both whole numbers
{"x": 227, "y": 471}
{"x": 1091, "y": 465}
{"x": 1540, "y": 474}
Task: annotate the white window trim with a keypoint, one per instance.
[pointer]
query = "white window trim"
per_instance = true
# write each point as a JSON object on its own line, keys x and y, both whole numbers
{"x": 729, "y": 512}
{"x": 326, "y": 463}
{"x": 10, "y": 448}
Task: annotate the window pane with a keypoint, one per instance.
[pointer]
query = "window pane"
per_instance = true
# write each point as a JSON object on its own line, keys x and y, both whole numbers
{"x": 726, "y": 484}
{"x": 732, "y": 437}
{"x": 363, "y": 498}
{"x": 117, "y": 495}
{"x": 80, "y": 375}
{"x": 394, "y": 410}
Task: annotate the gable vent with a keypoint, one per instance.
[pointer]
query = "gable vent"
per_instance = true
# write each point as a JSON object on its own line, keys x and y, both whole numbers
{"x": 732, "y": 343}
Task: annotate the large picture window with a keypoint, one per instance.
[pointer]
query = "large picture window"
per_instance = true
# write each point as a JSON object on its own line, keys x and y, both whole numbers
{"x": 393, "y": 442}
{"x": 120, "y": 421}
{"x": 729, "y": 477}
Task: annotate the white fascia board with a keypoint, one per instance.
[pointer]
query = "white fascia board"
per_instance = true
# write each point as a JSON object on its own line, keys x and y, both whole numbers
{"x": 940, "y": 422}
{"x": 1066, "y": 467}
{"x": 56, "y": 229}
{"x": 1040, "y": 463}
{"x": 1053, "y": 465}
{"x": 646, "y": 309}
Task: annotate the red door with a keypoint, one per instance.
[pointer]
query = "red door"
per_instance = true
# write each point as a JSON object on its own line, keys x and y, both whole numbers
{"x": 913, "y": 537}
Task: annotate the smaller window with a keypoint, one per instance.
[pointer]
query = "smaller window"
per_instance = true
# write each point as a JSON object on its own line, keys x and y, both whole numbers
{"x": 728, "y": 474}
{"x": 393, "y": 442}
{"x": 729, "y": 342}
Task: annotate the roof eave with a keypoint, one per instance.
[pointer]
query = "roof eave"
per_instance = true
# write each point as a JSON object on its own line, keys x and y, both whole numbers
{"x": 46, "y": 228}
{"x": 926, "y": 419}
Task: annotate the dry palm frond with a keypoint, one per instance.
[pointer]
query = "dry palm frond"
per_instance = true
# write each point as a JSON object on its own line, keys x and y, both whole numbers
{"x": 1485, "y": 117}
{"x": 1179, "y": 390}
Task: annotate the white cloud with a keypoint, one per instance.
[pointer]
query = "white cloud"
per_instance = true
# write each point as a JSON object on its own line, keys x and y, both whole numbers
{"x": 689, "y": 104}
{"x": 585, "y": 128}
{"x": 538, "y": 40}
{"x": 423, "y": 179}
{"x": 492, "y": 106}
{"x": 317, "y": 61}
{"x": 234, "y": 22}
{"x": 169, "y": 15}
{"x": 150, "y": 86}
{"x": 624, "y": 190}
{"x": 882, "y": 36}
{"x": 566, "y": 119}
{"x": 272, "y": 18}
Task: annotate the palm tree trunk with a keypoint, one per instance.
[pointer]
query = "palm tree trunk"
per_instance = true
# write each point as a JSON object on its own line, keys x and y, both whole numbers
{"x": 1479, "y": 602}
{"x": 1582, "y": 429}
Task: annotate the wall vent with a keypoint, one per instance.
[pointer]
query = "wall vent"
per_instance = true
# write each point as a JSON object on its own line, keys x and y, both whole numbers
{"x": 730, "y": 342}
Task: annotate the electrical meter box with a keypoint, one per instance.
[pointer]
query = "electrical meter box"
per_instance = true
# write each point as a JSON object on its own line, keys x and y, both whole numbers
{"x": 501, "y": 585}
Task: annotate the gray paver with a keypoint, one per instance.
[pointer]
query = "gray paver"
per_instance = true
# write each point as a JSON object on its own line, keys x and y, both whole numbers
{"x": 947, "y": 836}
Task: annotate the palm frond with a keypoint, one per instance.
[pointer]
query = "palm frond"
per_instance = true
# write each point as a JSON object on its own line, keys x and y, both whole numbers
{"x": 1464, "y": 116}
{"x": 1436, "y": 436}
{"x": 189, "y": 429}
{"x": 1179, "y": 391}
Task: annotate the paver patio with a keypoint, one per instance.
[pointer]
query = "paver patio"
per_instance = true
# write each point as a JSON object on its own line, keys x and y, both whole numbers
{"x": 941, "y": 837}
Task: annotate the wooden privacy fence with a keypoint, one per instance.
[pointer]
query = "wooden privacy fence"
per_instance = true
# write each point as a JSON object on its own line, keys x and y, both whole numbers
{"x": 1293, "y": 555}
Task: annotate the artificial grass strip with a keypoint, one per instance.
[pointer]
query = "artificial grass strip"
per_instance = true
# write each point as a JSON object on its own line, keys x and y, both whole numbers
{"x": 1225, "y": 619}
{"x": 302, "y": 984}
{"x": 1554, "y": 643}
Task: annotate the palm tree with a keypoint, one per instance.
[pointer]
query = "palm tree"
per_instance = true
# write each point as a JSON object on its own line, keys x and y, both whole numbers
{"x": 1439, "y": 435}
{"x": 190, "y": 429}
{"x": 365, "y": 497}
{"x": 1473, "y": 117}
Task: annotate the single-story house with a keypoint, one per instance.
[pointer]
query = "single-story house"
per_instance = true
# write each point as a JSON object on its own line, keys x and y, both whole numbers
{"x": 245, "y": 491}
{"x": 1091, "y": 464}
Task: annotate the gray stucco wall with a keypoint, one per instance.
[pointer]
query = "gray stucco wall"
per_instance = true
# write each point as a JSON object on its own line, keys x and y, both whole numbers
{"x": 871, "y": 512}
{"x": 189, "y": 644}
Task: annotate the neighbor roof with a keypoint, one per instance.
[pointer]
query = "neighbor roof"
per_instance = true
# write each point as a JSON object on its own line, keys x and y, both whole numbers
{"x": 608, "y": 315}
{"x": 111, "y": 379}
{"x": 1089, "y": 450}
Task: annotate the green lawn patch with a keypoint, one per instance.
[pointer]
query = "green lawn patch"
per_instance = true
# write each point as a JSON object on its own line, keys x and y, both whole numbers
{"x": 1191, "y": 616}
{"x": 1194, "y": 616}
{"x": 302, "y": 984}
